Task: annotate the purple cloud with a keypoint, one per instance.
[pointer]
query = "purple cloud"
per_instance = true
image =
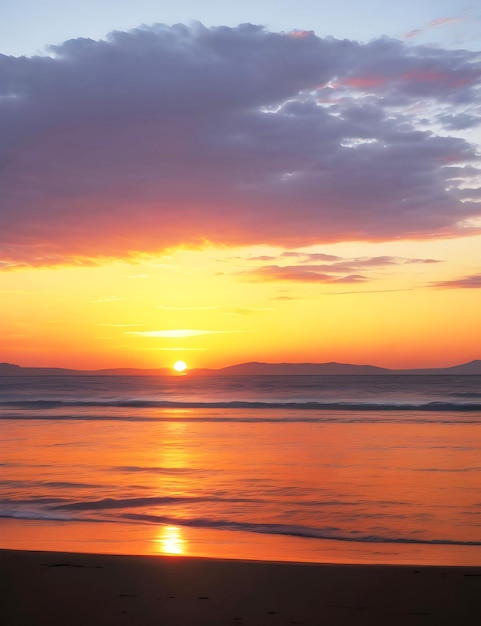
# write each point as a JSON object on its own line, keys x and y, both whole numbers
{"x": 440, "y": 21}
{"x": 301, "y": 273}
{"x": 461, "y": 121}
{"x": 467, "y": 282}
{"x": 332, "y": 269}
{"x": 169, "y": 136}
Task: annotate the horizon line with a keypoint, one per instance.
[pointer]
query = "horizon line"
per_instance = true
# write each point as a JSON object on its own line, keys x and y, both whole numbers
{"x": 168, "y": 368}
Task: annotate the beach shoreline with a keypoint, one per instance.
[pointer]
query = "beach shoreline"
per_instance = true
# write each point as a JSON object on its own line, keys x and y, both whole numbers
{"x": 163, "y": 540}
{"x": 102, "y": 589}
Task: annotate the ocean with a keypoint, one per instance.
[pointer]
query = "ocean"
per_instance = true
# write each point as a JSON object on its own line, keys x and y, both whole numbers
{"x": 367, "y": 469}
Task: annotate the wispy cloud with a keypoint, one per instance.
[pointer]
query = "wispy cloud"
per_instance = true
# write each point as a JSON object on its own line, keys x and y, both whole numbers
{"x": 323, "y": 268}
{"x": 255, "y": 138}
{"x": 301, "y": 273}
{"x": 466, "y": 282}
{"x": 179, "y": 332}
{"x": 362, "y": 291}
{"x": 227, "y": 309}
{"x": 440, "y": 21}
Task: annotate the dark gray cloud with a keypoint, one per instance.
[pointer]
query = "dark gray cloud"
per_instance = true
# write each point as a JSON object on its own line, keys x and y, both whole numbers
{"x": 169, "y": 136}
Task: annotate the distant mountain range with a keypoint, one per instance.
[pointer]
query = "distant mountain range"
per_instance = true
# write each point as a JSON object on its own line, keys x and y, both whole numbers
{"x": 343, "y": 369}
{"x": 250, "y": 369}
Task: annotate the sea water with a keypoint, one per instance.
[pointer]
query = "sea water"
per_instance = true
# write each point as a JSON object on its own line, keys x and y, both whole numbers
{"x": 306, "y": 468}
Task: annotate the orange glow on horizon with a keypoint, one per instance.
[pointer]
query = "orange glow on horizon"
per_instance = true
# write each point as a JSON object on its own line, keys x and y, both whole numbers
{"x": 113, "y": 316}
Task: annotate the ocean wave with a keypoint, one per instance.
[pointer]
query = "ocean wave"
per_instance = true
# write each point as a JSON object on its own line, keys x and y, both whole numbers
{"x": 47, "y": 517}
{"x": 241, "y": 404}
{"x": 129, "y": 503}
{"x": 339, "y": 418}
{"x": 363, "y": 418}
{"x": 292, "y": 531}
{"x": 113, "y": 503}
{"x": 161, "y": 470}
{"x": 305, "y": 532}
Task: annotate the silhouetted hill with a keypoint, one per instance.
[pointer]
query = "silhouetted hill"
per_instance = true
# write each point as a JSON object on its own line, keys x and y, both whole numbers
{"x": 7, "y": 369}
{"x": 473, "y": 367}
{"x": 250, "y": 369}
{"x": 300, "y": 369}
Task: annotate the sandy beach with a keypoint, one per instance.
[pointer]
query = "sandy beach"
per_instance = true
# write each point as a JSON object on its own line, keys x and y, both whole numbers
{"x": 60, "y": 588}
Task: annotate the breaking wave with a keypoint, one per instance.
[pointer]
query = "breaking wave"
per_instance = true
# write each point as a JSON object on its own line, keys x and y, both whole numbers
{"x": 306, "y": 532}
{"x": 45, "y": 405}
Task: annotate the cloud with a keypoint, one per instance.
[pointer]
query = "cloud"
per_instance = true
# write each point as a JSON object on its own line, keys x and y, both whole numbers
{"x": 467, "y": 282}
{"x": 177, "y": 333}
{"x": 301, "y": 273}
{"x": 312, "y": 256}
{"x": 440, "y": 21}
{"x": 413, "y": 33}
{"x": 363, "y": 291}
{"x": 461, "y": 121}
{"x": 187, "y": 136}
{"x": 226, "y": 309}
{"x": 325, "y": 268}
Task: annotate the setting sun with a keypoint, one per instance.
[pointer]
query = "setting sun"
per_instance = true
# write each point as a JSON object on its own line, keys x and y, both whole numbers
{"x": 180, "y": 366}
{"x": 171, "y": 541}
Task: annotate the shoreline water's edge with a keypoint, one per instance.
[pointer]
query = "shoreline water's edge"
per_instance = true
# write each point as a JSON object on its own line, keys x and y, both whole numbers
{"x": 114, "y": 538}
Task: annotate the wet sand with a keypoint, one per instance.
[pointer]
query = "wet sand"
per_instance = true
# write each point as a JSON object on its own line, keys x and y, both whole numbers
{"x": 52, "y": 588}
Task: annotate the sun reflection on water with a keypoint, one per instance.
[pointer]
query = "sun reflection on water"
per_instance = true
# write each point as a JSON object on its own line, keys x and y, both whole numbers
{"x": 171, "y": 541}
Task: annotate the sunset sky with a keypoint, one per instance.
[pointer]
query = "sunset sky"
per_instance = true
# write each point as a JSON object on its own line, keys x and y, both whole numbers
{"x": 228, "y": 181}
